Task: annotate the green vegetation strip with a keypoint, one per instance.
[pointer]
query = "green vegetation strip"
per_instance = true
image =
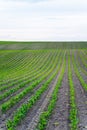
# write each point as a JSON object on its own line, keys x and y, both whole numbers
{"x": 22, "y": 64}
{"x": 47, "y": 113}
{"x": 84, "y": 60}
{"x": 84, "y": 85}
{"x": 25, "y": 65}
{"x": 22, "y": 111}
{"x": 21, "y": 85}
{"x": 5, "y": 106}
{"x": 73, "y": 108}
{"x": 29, "y": 75}
{"x": 81, "y": 69}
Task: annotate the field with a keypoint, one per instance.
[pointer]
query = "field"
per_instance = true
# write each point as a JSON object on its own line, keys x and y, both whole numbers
{"x": 43, "y": 86}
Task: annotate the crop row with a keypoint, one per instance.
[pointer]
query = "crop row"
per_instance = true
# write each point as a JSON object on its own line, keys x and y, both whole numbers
{"x": 22, "y": 58}
{"x": 30, "y": 69}
{"x": 84, "y": 85}
{"x": 84, "y": 52}
{"x": 44, "y": 117}
{"x": 78, "y": 61}
{"x": 79, "y": 64}
{"x": 28, "y": 62}
{"x": 83, "y": 59}
{"x": 30, "y": 75}
{"x": 18, "y": 97}
{"x": 37, "y": 75}
{"x": 22, "y": 111}
{"x": 73, "y": 108}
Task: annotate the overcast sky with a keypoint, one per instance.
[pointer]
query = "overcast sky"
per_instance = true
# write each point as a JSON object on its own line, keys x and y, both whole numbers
{"x": 52, "y": 20}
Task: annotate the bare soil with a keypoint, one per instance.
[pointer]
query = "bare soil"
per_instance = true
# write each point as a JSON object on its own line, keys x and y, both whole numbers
{"x": 81, "y": 101}
{"x": 33, "y": 115}
{"x": 10, "y": 112}
{"x": 59, "y": 118}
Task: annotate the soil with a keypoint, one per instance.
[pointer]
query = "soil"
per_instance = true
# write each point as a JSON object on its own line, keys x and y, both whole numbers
{"x": 15, "y": 93}
{"x": 10, "y": 112}
{"x": 59, "y": 118}
{"x": 81, "y": 101}
{"x": 33, "y": 115}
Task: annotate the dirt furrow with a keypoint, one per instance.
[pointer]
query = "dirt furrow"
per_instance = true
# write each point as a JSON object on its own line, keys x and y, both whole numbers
{"x": 15, "y": 93}
{"x": 35, "y": 119}
{"x": 81, "y": 101}
{"x": 84, "y": 77}
{"x": 33, "y": 115}
{"x": 59, "y": 118}
{"x": 10, "y": 112}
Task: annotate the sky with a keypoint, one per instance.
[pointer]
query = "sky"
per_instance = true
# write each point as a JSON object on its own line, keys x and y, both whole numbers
{"x": 43, "y": 20}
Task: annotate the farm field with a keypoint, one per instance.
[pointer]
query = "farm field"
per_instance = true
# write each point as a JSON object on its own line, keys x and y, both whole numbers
{"x": 43, "y": 86}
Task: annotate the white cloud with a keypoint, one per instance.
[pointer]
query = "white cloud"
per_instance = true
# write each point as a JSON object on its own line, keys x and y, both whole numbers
{"x": 43, "y": 20}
